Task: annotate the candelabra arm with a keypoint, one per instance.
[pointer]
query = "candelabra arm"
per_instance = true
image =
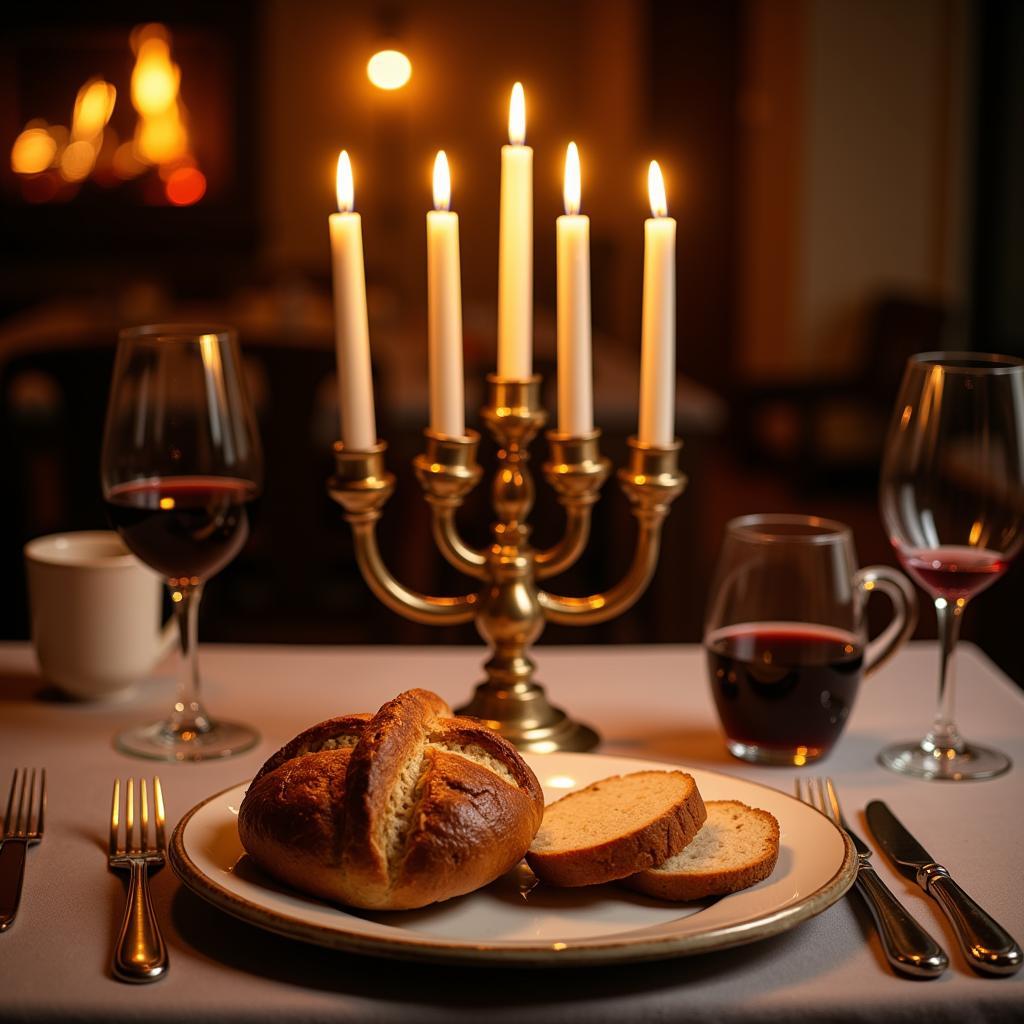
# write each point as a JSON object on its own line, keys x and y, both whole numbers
{"x": 456, "y": 552}
{"x": 437, "y": 611}
{"x": 563, "y": 555}
{"x": 651, "y": 481}
{"x": 362, "y": 485}
{"x": 447, "y": 472}
{"x": 576, "y": 471}
{"x": 588, "y": 611}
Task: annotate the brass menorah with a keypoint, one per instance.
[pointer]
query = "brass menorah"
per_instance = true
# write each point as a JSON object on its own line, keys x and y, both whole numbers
{"x": 509, "y": 608}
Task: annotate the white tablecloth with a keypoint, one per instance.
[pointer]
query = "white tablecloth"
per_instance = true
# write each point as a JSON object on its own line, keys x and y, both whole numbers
{"x": 647, "y": 702}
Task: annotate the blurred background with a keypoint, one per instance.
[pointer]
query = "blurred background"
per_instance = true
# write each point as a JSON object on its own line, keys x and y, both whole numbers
{"x": 847, "y": 177}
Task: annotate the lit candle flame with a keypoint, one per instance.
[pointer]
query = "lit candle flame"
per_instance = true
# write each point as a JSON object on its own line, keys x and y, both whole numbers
{"x": 571, "y": 186}
{"x": 442, "y": 182}
{"x": 517, "y": 116}
{"x": 656, "y": 191}
{"x": 344, "y": 185}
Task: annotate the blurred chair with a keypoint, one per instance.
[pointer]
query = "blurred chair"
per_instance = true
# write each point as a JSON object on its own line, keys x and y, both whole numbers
{"x": 832, "y": 431}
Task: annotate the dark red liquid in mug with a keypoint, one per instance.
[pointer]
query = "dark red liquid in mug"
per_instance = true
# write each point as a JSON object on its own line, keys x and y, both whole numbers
{"x": 183, "y": 526}
{"x": 784, "y": 686}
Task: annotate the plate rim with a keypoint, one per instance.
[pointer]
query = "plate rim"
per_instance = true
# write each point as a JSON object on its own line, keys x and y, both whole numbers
{"x": 574, "y": 952}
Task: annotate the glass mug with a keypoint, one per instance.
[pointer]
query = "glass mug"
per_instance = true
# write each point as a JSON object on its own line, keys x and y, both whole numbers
{"x": 786, "y": 634}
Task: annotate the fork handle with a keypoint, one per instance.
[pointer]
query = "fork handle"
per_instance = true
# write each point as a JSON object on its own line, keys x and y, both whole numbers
{"x": 139, "y": 953}
{"x": 12, "y": 871}
{"x": 908, "y": 947}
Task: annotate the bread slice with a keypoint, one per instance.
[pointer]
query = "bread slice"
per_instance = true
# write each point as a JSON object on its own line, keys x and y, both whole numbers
{"x": 737, "y": 847}
{"x": 615, "y": 828}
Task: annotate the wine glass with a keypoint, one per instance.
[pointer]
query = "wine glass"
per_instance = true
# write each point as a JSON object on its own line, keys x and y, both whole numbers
{"x": 181, "y": 461}
{"x": 952, "y": 496}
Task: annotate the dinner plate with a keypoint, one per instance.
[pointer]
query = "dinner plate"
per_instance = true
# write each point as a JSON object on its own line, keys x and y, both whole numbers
{"x": 516, "y": 920}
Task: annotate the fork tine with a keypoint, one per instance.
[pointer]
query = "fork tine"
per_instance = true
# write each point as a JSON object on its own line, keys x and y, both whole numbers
{"x": 144, "y": 815}
{"x": 158, "y": 800}
{"x": 41, "y": 810}
{"x": 129, "y": 815}
{"x": 30, "y": 805}
{"x": 115, "y": 818}
{"x": 18, "y": 821}
{"x": 833, "y": 799}
{"x": 10, "y": 803}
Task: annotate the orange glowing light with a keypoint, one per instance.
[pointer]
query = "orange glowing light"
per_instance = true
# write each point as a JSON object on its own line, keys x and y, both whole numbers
{"x": 186, "y": 186}
{"x": 94, "y": 105}
{"x": 572, "y": 187}
{"x": 517, "y": 116}
{"x": 77, "y": 161}
{"x": 442, "y": 182}
{"x": 389, "y": 69}
{"x": 344, "y": 185}
{"x": 656, "y": 191}
{"x": 33, "y": 151}
{"x": 155, "y": 77}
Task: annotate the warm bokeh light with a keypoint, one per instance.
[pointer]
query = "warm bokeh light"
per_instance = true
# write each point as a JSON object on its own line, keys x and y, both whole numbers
{"x": 91, "y": 148}
{"x": 571, "y": 186}
{"x": 185, "y": 186}
{"x": 442, "y": 182}
{"x": 161, "y": 139}
{"x": 517, "y": 116}
{"x": 155, "y": 77}
{"x": 33, "y": 151}
{"x": 656, "y": 191}
{"x": 344, "y": 185}
{"x": 161, "y": 136}
{"x": 126, "y": 164}
{"x": 94, "y": 105}
{"x": 77, "y": 161}
{"x": 389, "y": 69}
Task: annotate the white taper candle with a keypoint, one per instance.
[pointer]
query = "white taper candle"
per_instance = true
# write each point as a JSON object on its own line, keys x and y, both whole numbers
{"x": 572, "y": 243}
{"x": 515, "y": 247}
{"x": 351, "y": 324}
{"x": 444, "y": 309}
{"x": 658, "y": 343}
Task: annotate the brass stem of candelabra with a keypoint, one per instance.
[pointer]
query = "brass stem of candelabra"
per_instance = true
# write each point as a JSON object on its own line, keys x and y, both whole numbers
{"x": 509, "y": 607}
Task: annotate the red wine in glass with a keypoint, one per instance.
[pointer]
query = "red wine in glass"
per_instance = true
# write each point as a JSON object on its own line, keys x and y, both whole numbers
{"x": 784, "y": 685}
{"x": 190, "y": 526}
{"x": 181, "y": 462}
{"x": 954, "y": 572}
{"x": 952, "y": 500}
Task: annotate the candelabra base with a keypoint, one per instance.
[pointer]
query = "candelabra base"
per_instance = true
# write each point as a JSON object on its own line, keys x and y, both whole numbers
{"x": 523, "y": 715}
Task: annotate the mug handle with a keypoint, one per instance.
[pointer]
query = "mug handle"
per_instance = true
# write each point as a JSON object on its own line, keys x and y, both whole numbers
{"x": 900, "y": 592}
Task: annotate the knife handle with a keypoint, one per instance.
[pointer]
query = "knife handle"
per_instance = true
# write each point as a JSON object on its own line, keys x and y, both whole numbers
{"x": 988, "y": 946}
{"x": 908, "y": 947}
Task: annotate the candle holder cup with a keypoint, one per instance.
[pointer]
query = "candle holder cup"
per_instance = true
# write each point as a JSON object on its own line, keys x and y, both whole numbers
{"x": 509, "y": 608}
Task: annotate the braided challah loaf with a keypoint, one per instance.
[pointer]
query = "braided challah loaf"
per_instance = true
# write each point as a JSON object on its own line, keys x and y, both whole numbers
{"x": 392, "y": 811}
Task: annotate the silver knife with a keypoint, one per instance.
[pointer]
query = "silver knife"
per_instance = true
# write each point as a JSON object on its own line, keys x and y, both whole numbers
{"x": 988, "y": 946}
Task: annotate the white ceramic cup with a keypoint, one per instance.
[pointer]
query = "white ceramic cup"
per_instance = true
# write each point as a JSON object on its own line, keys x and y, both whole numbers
{"x": 95, "y": 611}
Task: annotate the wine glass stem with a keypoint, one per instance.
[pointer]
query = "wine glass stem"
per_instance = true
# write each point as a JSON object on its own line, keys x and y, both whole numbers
{"x": 944, "y": 733}
{"x": 189, "y": 717}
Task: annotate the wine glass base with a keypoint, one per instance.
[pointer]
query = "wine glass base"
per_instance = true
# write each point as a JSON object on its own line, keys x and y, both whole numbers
{"x": 159, "y": 742}
{"x": 968, "y": 762}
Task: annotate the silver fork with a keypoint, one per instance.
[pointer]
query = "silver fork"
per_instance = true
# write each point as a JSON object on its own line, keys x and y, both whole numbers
{"x": 908, "y": 947}
{"x": 23, "y": 826}
{"x": 139, "y": 952}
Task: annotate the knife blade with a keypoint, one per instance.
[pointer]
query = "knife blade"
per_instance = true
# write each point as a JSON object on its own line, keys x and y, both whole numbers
{"x": 988, "y": 947}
